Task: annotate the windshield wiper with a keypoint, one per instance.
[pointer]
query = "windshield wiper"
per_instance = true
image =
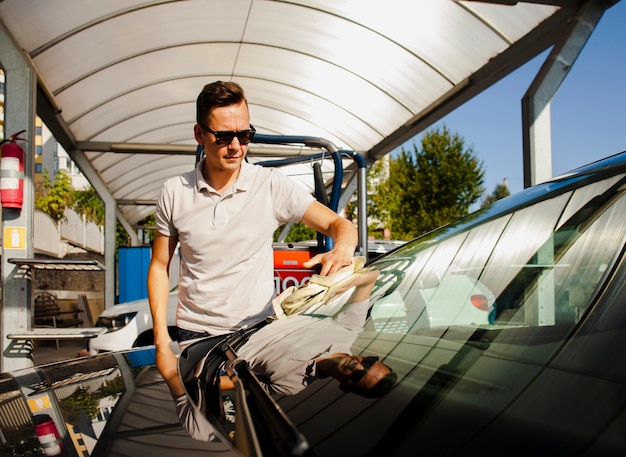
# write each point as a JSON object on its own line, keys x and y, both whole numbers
{"x": 261, "y": 426}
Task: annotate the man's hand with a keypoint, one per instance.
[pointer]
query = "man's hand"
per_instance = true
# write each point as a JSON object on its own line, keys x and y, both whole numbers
{"x": 342, "y": 231}
{"x": 331, "y": 261}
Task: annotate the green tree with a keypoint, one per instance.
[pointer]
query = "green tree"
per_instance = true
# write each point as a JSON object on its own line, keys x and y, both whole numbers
{"x": 88, "y": 203}
{"x": 20, "y": 441}
{"x": 430, "y": 187}
{"x": 81, "y": 401}
{"x": 500, "y": 191}
{"x": 112, "y": 388}
{"x": 299, "y": 232}
{"x": 54, "y": 198}
{"x": 148, "y": 223}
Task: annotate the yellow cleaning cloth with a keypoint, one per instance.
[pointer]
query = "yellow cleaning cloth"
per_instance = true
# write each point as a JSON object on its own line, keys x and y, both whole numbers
{"x": 296, "y": 300}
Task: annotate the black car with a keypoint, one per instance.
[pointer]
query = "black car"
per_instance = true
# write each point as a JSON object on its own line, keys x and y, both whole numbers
{"x": 506, "y": 331}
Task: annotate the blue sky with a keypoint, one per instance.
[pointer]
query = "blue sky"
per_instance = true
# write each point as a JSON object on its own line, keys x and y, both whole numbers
{"x": 588, "y": 113}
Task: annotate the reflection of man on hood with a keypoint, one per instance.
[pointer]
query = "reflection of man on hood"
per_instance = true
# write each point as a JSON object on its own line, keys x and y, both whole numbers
{"x": 292, "y": 352}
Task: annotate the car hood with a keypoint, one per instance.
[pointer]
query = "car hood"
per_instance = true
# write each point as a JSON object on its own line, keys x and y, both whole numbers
{"x": 134, "y": 306}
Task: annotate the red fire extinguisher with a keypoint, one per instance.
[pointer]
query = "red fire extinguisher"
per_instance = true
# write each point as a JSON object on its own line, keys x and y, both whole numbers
{"x": 48, "y": 435}
{"x": 12, "y": 172}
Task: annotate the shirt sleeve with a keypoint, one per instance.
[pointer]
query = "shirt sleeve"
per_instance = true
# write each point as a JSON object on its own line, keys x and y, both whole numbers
{"x": 353, "y": 315}
{"x": 193, "y": 421}
{"x": 291, "y": 200}
{"x": 163, "y": 218}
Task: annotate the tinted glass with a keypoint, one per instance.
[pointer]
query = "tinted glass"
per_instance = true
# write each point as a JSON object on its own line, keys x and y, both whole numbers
{"x": 18, "y": 430}
{"x": 537, "y": 266}
{"x": 496, "y": 337}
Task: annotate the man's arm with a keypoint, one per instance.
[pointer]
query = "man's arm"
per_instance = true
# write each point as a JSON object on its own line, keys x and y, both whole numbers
{"x": 158, "y": 294}
{"x": 341, "y": 230}
{"x": 159, "y": 284}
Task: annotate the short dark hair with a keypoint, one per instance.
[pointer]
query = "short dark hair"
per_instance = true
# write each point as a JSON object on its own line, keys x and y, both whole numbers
{"x": 379, "y": 389}
{"x": 215, "y": 95}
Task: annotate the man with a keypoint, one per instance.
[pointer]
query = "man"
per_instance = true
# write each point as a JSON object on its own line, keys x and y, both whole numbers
{"x": 224, "y": 214}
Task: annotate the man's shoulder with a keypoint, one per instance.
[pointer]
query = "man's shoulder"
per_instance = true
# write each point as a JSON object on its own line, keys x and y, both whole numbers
{"x": 258, "y": 175}
{"x": 259, "y": 171}
{"x": 253, "y": 168}
{"x": 184, "y": 179}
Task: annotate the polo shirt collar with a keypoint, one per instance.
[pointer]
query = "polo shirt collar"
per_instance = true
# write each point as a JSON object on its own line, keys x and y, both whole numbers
{"x": 242, "y": 184}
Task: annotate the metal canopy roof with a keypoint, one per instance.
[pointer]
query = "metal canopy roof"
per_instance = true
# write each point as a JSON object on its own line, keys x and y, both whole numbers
{"x": 363, "y": 74}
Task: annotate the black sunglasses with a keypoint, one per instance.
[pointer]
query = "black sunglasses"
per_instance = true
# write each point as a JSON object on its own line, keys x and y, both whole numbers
{"x": 367, "y": 363}
{"x": 224, "y": 138}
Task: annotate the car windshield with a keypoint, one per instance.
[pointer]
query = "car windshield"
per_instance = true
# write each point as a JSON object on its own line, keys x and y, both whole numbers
{"x": 485, "y": 324}
{"x": 537, "y": 266}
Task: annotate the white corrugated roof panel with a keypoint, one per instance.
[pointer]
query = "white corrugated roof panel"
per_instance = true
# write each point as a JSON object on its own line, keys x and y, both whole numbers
{"x": 357, "y": 73}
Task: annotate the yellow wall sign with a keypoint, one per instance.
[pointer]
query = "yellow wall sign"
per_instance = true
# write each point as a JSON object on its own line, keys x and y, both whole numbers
{"x": 40, "y": 403}
{"x": 14, "y": 238}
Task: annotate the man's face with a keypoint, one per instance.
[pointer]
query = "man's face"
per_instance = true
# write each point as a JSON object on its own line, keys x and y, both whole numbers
{"x": 364, "y": 372}
{"x": 224, "y": 157}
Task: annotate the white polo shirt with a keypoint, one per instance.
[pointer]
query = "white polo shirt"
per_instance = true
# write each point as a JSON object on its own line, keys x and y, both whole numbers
{"x": 226, "y": 279}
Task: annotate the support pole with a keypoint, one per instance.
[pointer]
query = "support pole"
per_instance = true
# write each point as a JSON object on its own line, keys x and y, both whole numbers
{"x": 536, "y": 125}
{"x": 17, "y": 223}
